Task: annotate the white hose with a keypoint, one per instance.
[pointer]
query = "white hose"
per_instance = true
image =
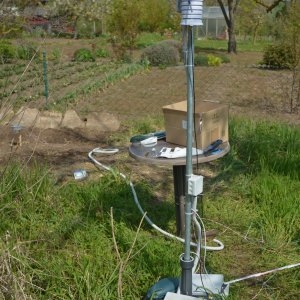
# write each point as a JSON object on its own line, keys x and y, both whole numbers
{"x": 136, "y": 200}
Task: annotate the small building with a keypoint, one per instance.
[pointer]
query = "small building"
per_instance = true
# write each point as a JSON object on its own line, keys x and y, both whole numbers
{"x": 214, "y": 24}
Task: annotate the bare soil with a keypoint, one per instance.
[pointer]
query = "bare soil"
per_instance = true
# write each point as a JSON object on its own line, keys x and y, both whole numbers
{"x": 249, "y": 91}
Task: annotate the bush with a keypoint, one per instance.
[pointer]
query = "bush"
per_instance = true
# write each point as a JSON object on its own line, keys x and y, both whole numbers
{"x": 83, "y": 54}
{"x": 102, "y": 53}
{"x": 56, "y": 55}
{"x": 225, "y": 58}
{"x": 210, "y": 60}
{"x": 213, "y": 60}
{"x": 26, "y": 52}
{"x": 161, "y": 54}
{"x": 7, "y": 51}
{"x": 172, "y": 43}
{"x": 201, "y": 60}
{"x": 278, "y": 56}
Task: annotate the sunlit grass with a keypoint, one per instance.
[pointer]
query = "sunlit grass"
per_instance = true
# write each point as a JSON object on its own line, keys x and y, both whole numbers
{"x": 56, "y": 240}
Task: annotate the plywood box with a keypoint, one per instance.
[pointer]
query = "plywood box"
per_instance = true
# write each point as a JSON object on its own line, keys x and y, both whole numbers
{"x": 211, "y": 123}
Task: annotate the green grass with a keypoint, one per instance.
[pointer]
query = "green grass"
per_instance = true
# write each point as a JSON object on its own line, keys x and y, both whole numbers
{"x": 242, "y": 46}
{"x": 56, "y": 240}
{"x": 148, "y": 39}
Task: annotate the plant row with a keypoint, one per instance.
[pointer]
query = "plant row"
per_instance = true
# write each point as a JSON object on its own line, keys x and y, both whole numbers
{"x": 124, "y": 72}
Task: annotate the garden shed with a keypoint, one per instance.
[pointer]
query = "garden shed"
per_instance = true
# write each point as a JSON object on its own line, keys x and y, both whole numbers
{"x": 214, "y": 24}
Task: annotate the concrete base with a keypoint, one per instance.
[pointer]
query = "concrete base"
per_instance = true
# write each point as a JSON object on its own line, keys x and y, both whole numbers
{"x": 172, "y": 296}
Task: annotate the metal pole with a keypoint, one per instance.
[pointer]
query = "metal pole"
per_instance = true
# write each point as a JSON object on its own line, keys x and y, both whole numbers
{"x": 187, "y": 262}
{"x": 45, "y": 77}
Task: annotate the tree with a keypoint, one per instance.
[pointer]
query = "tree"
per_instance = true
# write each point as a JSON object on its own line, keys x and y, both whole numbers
{"x": 269, "y": 6}
{"x": 124, "y": 21}
{"x": 91, "y": 10}
{"x": 155, "y": 15}
{"x": 251, "y": 18}
{"x": 230, "y": 21}
{"x": 291, "y": 39}
{"x": 10, "y": 21}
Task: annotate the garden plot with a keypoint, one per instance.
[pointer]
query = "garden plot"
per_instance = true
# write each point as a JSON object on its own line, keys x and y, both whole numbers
{"x": 67, "y": 82}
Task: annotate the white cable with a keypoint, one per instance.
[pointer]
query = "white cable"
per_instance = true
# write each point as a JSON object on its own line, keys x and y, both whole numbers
{"x": 260, "y": 274}
{"x": 136, "y": 200}
{"x": 212, "y": 248}
{"x": 199, "y": 238}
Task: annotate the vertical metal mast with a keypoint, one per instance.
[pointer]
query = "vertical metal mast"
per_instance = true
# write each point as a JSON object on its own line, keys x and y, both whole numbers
{"x": 191, "y": 11}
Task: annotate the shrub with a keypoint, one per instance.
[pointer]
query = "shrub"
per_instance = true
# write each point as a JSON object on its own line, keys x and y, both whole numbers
{"x": 172, "y": 43}
{"x": 26, "y": 52}
{"x": 225, "y": 58}
{"x": 56, "y": 55}
{"x": 279, "y": 56}
{"x": 83, "y": 54}
{"x": 102, "y": 53}
{"x": 201, "y": 60}
{"x": 161, "y": 54}
{"x": 210, "y": 60}
{"x": 213, "y": 60}
{"x": 7, "y": 51}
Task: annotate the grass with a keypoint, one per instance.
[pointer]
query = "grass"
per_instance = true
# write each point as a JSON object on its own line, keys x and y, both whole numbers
{"x": 242, "y": 46}
{"x": 148, "y": 39}
{"x": 56, "y": 240}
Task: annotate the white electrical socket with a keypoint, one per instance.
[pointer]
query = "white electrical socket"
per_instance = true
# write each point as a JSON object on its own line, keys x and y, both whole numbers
{"x": 195, "y": 185}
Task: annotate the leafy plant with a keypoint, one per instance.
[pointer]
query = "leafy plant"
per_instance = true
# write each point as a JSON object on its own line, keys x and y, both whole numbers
{"x": 201, "y": 60}
{"x": 213, "y": 60}
{"x": 225, "y": 59}
{"x": 280, "y": 56}
{"x": 26, "y": 52}
{"x": 210, "y": 60}
{"x": 172, "y": 43}
{"x": 56, "y": 55}
{"x": 161, "y": 54}
{"x": 7, "y": 51}
{"x": 102, "y": 53}
{"x": 83, "y": 55}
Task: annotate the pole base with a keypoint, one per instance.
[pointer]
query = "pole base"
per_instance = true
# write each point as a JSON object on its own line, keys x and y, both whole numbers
{"x": 204, "y": 284}
{"x": 186, "y": 276}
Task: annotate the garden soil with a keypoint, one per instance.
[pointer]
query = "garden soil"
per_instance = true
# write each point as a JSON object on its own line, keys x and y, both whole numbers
{"x": 249, "y": 91}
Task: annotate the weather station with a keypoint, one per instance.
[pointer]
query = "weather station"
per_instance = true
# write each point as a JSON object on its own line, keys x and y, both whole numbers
{"x": 196, "y": 132}
{"x": 192, "y": 284}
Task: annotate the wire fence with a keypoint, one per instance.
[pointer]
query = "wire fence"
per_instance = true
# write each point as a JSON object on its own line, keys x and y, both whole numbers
{"x": 75, "y": 84}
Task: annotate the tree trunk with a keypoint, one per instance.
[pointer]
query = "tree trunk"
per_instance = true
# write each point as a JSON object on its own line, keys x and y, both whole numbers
{"x": 231, "y": 28}
{"x": 231, "y": 41}
{"x": 232, "y": 5}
